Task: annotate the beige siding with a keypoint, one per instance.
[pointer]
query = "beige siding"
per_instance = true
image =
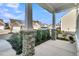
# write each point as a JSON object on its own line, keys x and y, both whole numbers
{"x": 68, "y": 22}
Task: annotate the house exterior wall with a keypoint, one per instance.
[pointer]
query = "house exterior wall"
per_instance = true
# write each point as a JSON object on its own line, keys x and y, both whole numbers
{"x": 1, "y": 27}
{"x": 68, "y": 22}
{"x": 36, "y": 26}
{"x": 16, "y": 29}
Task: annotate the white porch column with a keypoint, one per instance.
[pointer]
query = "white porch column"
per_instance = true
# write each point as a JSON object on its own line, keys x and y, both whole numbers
{"x": 28, "y": 16}
{"x": 28, "y": 34}
{"x": 77, "y": 31}
{"x": 53, "y": 26}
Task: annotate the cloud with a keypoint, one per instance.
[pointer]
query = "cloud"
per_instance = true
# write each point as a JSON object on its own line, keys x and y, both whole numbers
{"x": 13, "y": 5}
{"x": 5, "y": 9}
{"x": 2, "y": 11}
{"x": 9, "y": 15}
{"x": 6, "y": 14}
{"x": 16, "y": 14}
{"x": 1, "y": 4}
{"x": 18, "y": 11}
{"x": 21, "y": 16}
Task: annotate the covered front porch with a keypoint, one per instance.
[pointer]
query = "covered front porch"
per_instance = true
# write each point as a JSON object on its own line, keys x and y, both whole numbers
{"x": 52, "y": 47}
{"x": 56, "y": 48}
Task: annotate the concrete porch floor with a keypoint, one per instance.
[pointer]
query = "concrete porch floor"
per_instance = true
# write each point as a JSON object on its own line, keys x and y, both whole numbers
{"x": 56, "y": 48}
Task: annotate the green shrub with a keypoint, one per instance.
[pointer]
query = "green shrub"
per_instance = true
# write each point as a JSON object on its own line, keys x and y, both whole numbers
{"x": 59, "y": 31}
{"x": 16, "y": 39}
{"x": 16, "y": 42}
{"x": 42, "y": 36}
{"x": 38, "y": 36}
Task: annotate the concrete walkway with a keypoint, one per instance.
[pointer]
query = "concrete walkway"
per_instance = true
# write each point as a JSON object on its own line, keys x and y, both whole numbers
{"x": 56, "y": 48}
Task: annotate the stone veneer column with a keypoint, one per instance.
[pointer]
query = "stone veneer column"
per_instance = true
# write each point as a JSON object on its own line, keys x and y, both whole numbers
{"x": 28, "y": 33}
{"x": 28, "y": 43}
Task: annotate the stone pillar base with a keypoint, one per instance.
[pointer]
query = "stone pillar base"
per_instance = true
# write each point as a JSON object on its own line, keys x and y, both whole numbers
{"x": 53, "y": 34}
{"x": 28, "y": 42}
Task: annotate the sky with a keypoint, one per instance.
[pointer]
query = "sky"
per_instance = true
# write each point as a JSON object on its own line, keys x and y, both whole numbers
{"x": 17, "y": 11}
{"x": 12, "y": 11}
{"x": 44, "y": 16}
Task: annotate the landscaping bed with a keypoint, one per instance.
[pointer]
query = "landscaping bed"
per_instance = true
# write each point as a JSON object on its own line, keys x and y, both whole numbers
{"x": 42, "y": 36}
{"x": 16, "y": 40}
{"x": 66, "y": 36}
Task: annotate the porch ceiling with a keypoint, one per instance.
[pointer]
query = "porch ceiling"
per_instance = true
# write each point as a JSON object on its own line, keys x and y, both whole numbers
{"x": 57, "y": 7}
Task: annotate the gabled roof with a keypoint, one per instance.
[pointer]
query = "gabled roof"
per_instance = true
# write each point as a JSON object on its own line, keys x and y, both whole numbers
{"x": 1, "y": 22}
{"x": 37, "y": 22}
{"x": 15, "y": 22}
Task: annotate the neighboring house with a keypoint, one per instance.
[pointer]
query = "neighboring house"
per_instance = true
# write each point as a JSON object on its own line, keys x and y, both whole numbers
{"x": 56, "y": 26}
{"x": 44, "y": 25}
{"x": 36, "y": 25}
{"x": 68, "y": 21}
{"x": 1, "y": 24}
{"x": 15, "y": 25}
{"x": 50, "y": 26}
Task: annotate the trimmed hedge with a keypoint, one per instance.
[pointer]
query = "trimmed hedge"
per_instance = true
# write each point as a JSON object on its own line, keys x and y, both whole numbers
{"x": 16, "y": 40}
{"x": 42, "y": 36}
